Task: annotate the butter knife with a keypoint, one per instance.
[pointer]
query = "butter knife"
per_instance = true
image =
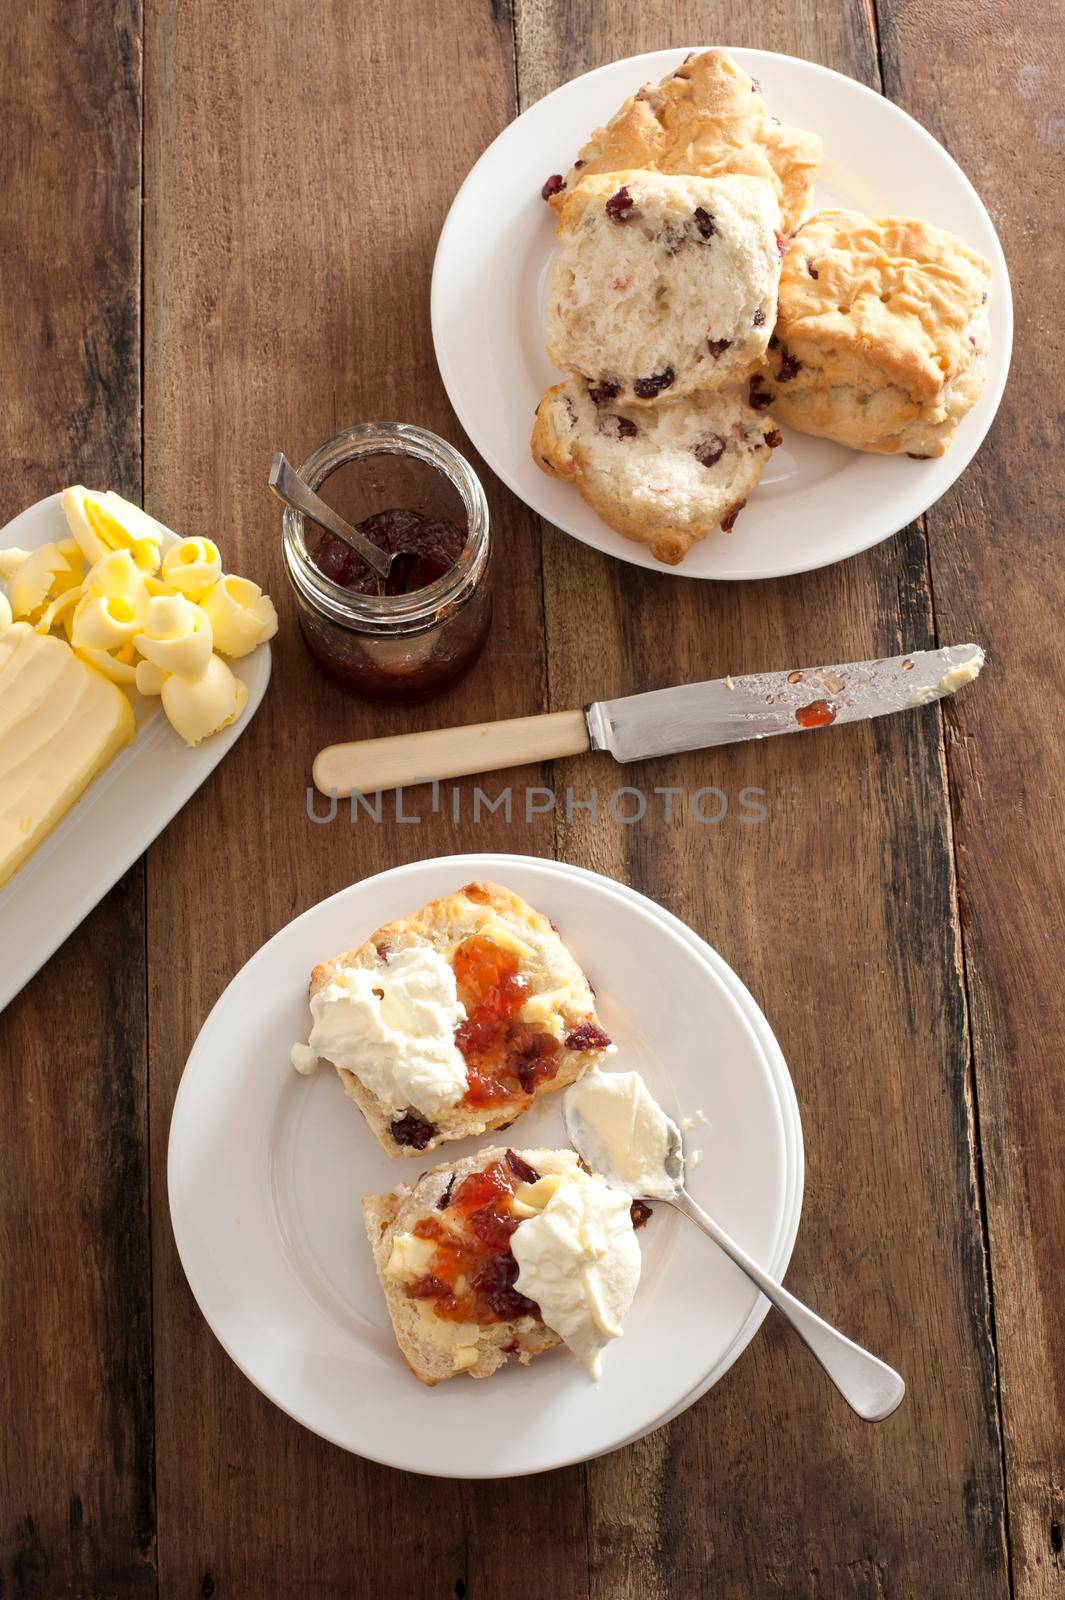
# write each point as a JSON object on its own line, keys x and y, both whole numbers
{"x": 693, "y": 716}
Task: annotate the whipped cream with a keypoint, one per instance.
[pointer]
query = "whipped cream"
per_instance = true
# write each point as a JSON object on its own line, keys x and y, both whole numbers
{"x": 394, "y": 1028}
{"x": 578, "y": 1258}
{"x": 620, "y": 1130}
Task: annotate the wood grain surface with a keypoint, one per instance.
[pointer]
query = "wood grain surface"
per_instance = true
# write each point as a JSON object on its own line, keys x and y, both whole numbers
{"x": 259, "y": 277}
{"x": 77, "y": 1503}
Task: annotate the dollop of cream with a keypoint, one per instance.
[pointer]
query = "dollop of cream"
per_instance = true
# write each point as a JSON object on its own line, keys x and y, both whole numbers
{"x": 621, "y": 1130}
{"x": 241, "y": 615}
{"x": 394, "y": 1028}
{"x": 192, "y": 566}
{"x": 578, "y": 1258}
{"x": 5, "y": 612}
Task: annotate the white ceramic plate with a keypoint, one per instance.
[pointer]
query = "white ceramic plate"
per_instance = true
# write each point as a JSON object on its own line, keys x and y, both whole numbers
{"x": 119, "y": 814}
{"x": 817, "y": 502}
{"x": 266, "y": 1171}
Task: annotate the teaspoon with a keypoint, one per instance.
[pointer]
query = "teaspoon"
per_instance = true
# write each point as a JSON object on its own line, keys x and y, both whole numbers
{"x": 869, "y": 1386}
{"x": 290, "y": 488}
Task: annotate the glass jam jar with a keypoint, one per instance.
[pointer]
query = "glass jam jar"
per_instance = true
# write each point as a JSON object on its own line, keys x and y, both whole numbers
{"x": 392, "y": 646}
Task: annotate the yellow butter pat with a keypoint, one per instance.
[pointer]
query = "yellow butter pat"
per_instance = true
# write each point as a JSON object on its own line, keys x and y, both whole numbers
{"x": 61, "y": 722}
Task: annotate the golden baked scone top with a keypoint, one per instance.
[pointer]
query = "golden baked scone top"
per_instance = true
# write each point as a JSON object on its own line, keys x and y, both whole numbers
{"x": 706, "y": 118}
{"x": 888, "y": 297}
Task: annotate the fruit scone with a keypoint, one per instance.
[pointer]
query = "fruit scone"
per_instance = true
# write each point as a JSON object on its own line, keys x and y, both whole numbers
{"x": 452, "y": 1021}
{"x": 706, "y": 118}
{"x": 882, "y": 334}
{"x": 504, "y": 1253}
{"x": 663, "y": 286}
{"x": 664, "y": 475}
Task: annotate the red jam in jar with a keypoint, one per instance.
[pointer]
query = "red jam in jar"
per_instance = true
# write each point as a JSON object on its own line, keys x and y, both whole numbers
{"x": 426, "y": 549}
{"x": 413, "y": 495}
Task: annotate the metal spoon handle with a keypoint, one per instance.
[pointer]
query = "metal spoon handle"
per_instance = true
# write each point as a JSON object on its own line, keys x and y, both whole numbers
{"x": 287, "y": 484}
{"x": 869, "y": 1386}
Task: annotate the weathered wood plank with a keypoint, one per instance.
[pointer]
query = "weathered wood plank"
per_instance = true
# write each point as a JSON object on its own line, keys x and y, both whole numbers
{"x": 300, "y": 161}
{"x": 839, "y": 911}
{"x": 76, "y": 1467}
{"x": 987, "y": 81}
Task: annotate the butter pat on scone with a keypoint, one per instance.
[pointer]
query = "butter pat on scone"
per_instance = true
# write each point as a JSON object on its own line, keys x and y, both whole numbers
{"x": 664, "y": 285}
{"x": 61, "y": 722}
{"x": 707, "y": 118}
{"x": 882, "y": 334}
{"x": 452, "y": 1021}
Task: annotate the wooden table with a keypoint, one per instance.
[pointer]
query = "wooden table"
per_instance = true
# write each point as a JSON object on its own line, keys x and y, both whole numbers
{"x": 216, "y": 238}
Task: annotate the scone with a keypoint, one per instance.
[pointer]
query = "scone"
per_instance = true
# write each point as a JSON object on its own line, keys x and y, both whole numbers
{"x": 664, "y": 285}
{"x": 706, "y": 118}
{"x": 446, "y": 1254}
{"x": 452, "y": 1021}
{"x": 666, "y": 475}
{"x": 882, "y": 334}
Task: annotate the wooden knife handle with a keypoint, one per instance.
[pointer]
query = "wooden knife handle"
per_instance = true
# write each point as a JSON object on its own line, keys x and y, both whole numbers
{"x": 408, "y": 758}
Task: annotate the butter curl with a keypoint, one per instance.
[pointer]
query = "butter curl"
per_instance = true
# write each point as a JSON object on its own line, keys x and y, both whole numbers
{"x": 10, "y": 561}
{"x": 201, "y": 706}
{"x": 45, "y": 573}
{"x": 193, "y": 566}
{"x": 176, "y": 636}
{"x": 241, "y": 616}
{"x": 104, "y": 522}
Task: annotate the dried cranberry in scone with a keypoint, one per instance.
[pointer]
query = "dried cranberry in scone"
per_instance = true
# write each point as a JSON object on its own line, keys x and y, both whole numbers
{"x": 667, "y": 474}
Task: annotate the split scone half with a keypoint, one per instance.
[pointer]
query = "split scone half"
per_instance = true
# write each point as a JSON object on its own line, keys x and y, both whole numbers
{"x": 454, "y": 1251}
{"x": 706, "y": 118}
{"x": 665, "y": 475}
{"x": 882, "y": 334}
{"x": 452, "y": 1021}
{"x": 661, "y": 285}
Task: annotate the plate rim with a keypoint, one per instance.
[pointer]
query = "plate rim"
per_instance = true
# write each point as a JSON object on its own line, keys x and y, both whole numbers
{"x": 753, "y": 1017}
{"x": 646, "y": 63}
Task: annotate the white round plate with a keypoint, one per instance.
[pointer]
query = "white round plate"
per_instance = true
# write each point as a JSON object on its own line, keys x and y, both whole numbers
{"x": 266, "y": 1171}
{"x": 817, "y": 502}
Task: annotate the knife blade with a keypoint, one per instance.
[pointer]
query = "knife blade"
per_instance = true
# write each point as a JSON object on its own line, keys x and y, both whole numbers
{"x": 696, "y": 716}
{"x": 692, "y": 716}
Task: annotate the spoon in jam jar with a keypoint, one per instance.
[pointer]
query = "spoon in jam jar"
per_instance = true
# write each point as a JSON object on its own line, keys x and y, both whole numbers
{"x": 648, "y": 1146}
{"x": 290, "y": 488}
